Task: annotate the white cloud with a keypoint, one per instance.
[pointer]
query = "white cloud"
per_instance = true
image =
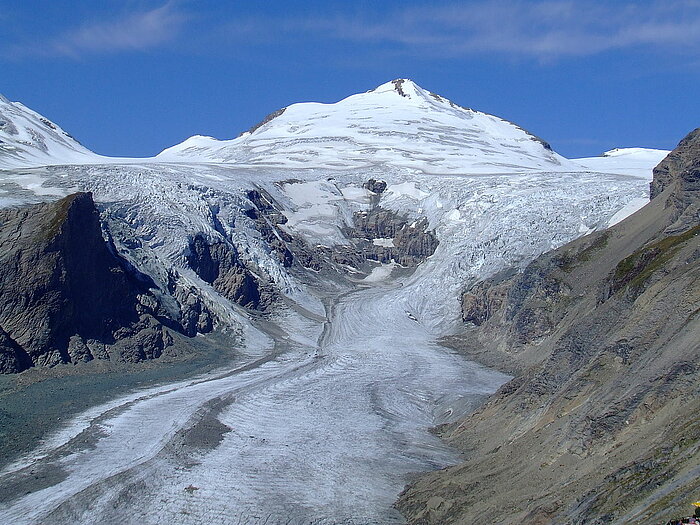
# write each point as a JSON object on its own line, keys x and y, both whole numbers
{"x": 133, "y": 32}
{"x": 538, "y": 28}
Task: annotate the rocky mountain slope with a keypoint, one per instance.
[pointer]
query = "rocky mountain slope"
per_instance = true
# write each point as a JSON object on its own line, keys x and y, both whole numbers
{"x": 600, "y": 424}
{"x": 65, "y": 296}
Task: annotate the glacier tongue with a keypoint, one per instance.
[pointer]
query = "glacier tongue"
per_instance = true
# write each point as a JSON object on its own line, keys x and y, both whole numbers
{"x": 325, "y": 412}
{"x": 324, "y": 419}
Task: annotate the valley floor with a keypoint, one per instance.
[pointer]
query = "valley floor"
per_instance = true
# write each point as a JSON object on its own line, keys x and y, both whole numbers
{"x": 40, "y": 400}
{"x": 325, "y": 423}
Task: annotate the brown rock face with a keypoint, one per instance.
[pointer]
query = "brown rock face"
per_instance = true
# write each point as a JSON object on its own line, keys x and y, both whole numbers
{"x": 217, "y": 263}
{"x": 601, "y": 423}
{"x": 63, "y": 291}
{"x": 412, "y": 241}
{"x": 681, "y": 166}
{"x": 679, "y": 172}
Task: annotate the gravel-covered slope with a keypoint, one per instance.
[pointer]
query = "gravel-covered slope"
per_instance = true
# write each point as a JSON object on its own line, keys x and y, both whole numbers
{"x": 600, "y": 424}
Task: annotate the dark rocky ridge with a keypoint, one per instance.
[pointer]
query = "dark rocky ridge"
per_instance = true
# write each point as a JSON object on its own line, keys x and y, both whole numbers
{"x": 64, "y": 294}
{"x": 375, "y": 186}
{"x": 269, "y": 221}
{"x": 680, "y": 173}
{"x": 398, "y": 86}
{"x": 193, "y": 316}
{"x": 601, "y": 422}
{"x": 268, "y": 118}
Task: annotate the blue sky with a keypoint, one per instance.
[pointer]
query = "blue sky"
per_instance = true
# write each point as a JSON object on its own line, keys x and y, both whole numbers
{"x": 133, "y": 77}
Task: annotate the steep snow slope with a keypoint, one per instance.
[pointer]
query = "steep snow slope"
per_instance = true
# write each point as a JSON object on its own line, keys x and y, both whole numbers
{"x": 398, "y": 124}
{"x": 29, "y": 139}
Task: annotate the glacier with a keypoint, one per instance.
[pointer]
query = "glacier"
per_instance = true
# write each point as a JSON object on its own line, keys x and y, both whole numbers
{"x": 324, "y": 414}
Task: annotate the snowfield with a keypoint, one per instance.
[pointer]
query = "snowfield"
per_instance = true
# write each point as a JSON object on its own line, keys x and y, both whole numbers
{"x": 325, "y": 423}
{"x": 28, "y": 139}
{"x": 628, "y": 161}
{"x": 395, "y": 125}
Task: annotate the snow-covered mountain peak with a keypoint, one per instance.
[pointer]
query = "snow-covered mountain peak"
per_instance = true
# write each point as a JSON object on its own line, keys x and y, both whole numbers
{"x": 637, "y": 162}
{"x": 397, "y": 124}
{"x": 402, "y": 92}
{"x": 410, "y": 91}
{"x": 29, "y": 139}
{"x": 401, "y": 86}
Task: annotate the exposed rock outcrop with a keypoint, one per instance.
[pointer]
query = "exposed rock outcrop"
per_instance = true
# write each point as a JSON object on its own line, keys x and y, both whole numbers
{"x": 375, "y": 186}
{"x": 398, "y": 86}
{"x": 680, "y": 168}
{"x": 601, "y": 423}
{"x": 272, "y": 116}
{"x": 13, "y": 357}
{"x": 64, "y": 294}
{"x": 378, "y": 235}
{"x": 267, "y": 221}
{"x": 383, "y": 235}
{"x": 194, "y": 316}
{"x": 217, "y": 262}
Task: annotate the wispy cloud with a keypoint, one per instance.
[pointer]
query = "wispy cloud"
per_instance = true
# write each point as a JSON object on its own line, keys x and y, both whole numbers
{"x": 539, "y": 29}
{"x": 136, "y": 31}
{"x": 544, "y": 29}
